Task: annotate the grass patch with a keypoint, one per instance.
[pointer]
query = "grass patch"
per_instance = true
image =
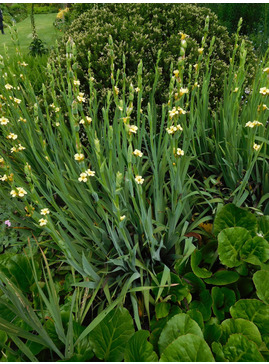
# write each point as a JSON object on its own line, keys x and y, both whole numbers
{"x": 45, "y": 30}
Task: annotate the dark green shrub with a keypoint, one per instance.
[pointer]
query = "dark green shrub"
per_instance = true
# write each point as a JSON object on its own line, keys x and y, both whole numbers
{"x": 139, "y": 31}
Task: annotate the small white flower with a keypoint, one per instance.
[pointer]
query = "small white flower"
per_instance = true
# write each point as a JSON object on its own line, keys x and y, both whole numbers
{"x": 139, "y": 180}
{"x": 138, "y": 153}
{"x": 43, "y": 222}
{"x": 45, "y": 211}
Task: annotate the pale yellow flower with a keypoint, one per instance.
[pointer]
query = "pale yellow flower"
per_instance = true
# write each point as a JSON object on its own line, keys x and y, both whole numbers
{"x": 24, "y": 64}
{"x": 13, "y": 193}
{"x": 20, "y": 147}
{"x": 251, "y": 124}
{"x": 236, "y": 89}
{"x": 139, "y": 180}
{"x": 22, "y": 119}
{"x": 3, "y": 178}
{"x": 43, "y": 222}
{"x": 133, "y": 129}
{"x": 79, "y": 157}
{"x": 256, "y": 146}
{"x": 183, "y": 35}
{"x": 52, "y": 105}
{"x": 179, "y": 127}
{"x": 122, "y": 217}
{"x": 57, "y": 123}
{"x": 82, "y": 121}
{"x": 137, "y": 89}
{"x": 138, "y": 153}
{"x": 200, "y": 50}
{"x": 19, "y": 193}
{"x": 171, "y": 130}
{"x": 90, "y": 173}
{"x": 176, "y": 73}
{"x": 2, "y": 160}
{"x": 12, "y": 136}
{"x": 18, "y": 101}
{"x": 266, "y": 70}
{"x": 183, "y": 91}
{"x": 57, "y": 109}
{"x": 83, "y": 177}
{"x": 8, "y": 86}
{"x": 180, "y": 152}
{"x": 116, "y": 89}
{"x": 264, "y": 91}
{"x": 92, "y": 79}
{"x": 45, "y": 211}
{"x": 76, "y": 82}
{"x": 88, "y": 119}
{"x": 3, "y": 120}
{"x": 81, "y": 97}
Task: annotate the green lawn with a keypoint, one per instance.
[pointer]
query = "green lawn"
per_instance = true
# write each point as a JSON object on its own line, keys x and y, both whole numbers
{"x": 45, "y": 30}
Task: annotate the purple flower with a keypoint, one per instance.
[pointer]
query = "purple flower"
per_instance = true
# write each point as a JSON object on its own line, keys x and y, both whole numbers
{"x": 8, "y": 223}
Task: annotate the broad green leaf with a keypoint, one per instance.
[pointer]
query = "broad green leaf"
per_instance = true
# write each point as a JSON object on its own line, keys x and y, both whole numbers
{"x": 196, "y": 316}
{"x": 232, "y": 216}
{"x": 252, "y": 310}
{"x": 187, "y": 348}
{"x": 255, "y": 251}
{"x": 261, "y": 281}
{"x": 218, "y": 351}
{"x": 240, "y": 326}
{"x": 212, "y": 332}
{"x": 139, "y": 349}
{"x": 223, "y": 299}
{"x": 162, "y": 309}
{"x": 203, "y": 304}
{"x": 239, "y": 348}
{"x": 223, "y": 277}
{"x": 110, "y": 337}
{"x": 263, "y": 226}
{"x": 196, "y": 258}
{"x": 18, "y": 268}
{"x": 230, "y": 243}
{"x": 179, "y": 325}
